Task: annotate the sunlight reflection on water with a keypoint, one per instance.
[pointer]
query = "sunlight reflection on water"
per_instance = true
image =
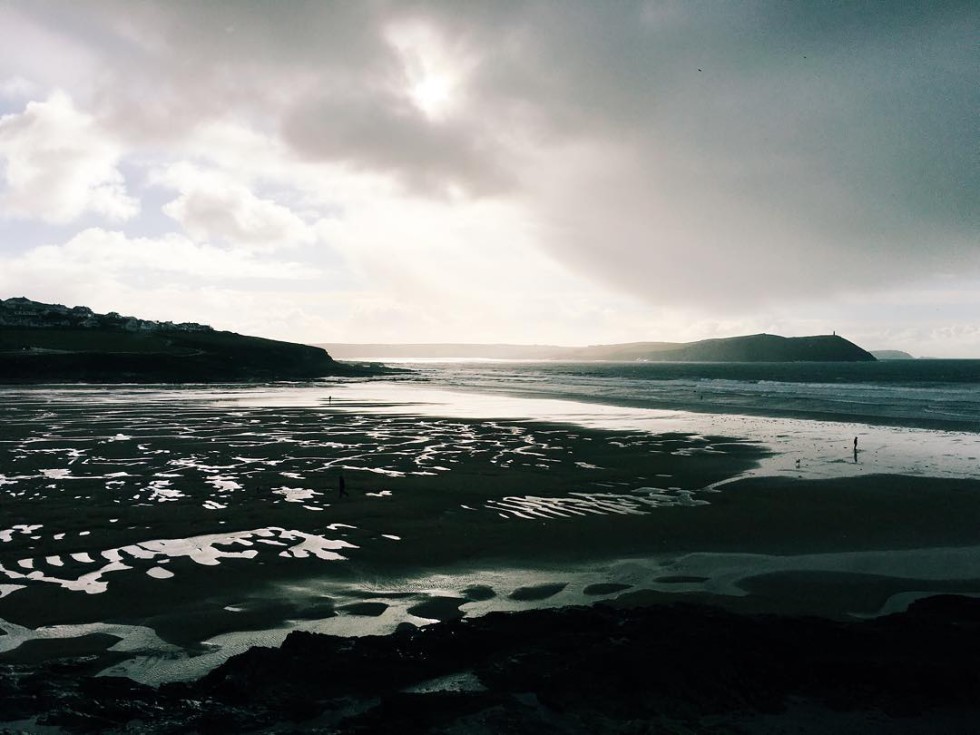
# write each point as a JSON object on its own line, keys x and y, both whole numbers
{"x": 823, "y": 448}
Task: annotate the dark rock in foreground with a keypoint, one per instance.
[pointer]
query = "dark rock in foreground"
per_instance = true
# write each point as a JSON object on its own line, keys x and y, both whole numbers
{"x": 668, "y": 669}
{"x": 46, "y": 343}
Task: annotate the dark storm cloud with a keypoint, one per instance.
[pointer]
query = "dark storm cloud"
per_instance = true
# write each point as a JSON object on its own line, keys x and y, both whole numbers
{"x": 686, "y": 151}
{"x": 170, "y": 66}
{"x": 385, "y": 134}
{"x": 773, "y": 149}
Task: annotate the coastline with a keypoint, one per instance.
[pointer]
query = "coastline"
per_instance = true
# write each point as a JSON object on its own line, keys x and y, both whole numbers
{"x": 931, "y": 396}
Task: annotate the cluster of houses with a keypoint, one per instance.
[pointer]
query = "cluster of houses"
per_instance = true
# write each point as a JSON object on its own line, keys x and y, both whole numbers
{"x": 21, "y": 312}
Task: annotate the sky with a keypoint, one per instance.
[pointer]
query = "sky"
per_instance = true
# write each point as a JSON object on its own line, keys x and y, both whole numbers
{"x": 523, "y": 172}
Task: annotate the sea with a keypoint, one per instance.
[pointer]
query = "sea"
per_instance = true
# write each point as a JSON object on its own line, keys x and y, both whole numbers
{"x": 940, "y": 394}
{"x": 910, "y": 417}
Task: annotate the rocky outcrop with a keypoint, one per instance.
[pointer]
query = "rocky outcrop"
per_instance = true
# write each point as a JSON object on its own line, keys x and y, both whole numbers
{"x": 667, "y": 669}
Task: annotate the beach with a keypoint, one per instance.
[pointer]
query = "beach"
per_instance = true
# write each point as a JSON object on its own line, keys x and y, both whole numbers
{"x": 157, "y": 531}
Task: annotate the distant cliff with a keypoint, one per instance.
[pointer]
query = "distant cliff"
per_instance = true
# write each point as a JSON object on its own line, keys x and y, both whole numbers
{"x": 753, "y": 348}
{"x": 763, "y": 348}
{"x": 892, "y": 355}
{"x": 42, "y": 343}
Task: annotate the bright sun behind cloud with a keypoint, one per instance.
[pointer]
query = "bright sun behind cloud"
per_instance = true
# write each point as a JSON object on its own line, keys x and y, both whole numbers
{"x": 432, "y": 76}
{"x": 433, "y": 94}
{"x": 563, "y": 173}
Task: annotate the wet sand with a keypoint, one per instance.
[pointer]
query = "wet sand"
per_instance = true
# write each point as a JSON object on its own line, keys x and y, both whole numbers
{"x": 186, "y": 530}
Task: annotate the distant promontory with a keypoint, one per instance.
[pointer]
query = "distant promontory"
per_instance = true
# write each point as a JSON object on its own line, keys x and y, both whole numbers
{"x": 751, "y": 348}
{"x": 49, "y": 343}
{"x": 892, "y": 355}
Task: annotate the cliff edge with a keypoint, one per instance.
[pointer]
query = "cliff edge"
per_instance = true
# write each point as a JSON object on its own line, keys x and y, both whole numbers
{"x": 46, "y": 343}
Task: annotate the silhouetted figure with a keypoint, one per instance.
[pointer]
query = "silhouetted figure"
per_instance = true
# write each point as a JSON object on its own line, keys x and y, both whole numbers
{"x": 341, "y": 487}
{"x": 797, "y": 464}
{"x": 329, "y": 399}
{"x": 855, "y": 449}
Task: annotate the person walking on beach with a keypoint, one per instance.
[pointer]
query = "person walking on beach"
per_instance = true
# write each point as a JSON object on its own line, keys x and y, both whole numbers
{"x": 341, "y": 487}
{"x": 855, "y": 449}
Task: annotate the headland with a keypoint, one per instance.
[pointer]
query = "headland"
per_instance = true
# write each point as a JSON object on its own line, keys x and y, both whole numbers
{"x": 51, "y": 343}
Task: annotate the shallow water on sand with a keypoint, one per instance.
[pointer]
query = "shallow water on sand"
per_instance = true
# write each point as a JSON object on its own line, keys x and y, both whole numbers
{"x": 824, "y": 448}
{"x": 145, "y": 489}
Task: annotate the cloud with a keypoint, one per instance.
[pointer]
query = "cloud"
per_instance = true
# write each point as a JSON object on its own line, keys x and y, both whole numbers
{"x": 411, "y": 119}
{"x": 59, "y": 165}
{"x": 166, "y": 69}
{"x": 214, "y": 206}
{"x": 423, "y": 270}
{"x": 96, "y": 256}
{"x": 684, "y": 152}
{"x": 389, "y": 135}
{"x": 167, "y": 278}
{"x": 355, "y": 84}
{"x": 695, "y": 156}
{"x": 17, "y": 86}
{"x": 678, "y": 162}
{"x": 39, "y": 49}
